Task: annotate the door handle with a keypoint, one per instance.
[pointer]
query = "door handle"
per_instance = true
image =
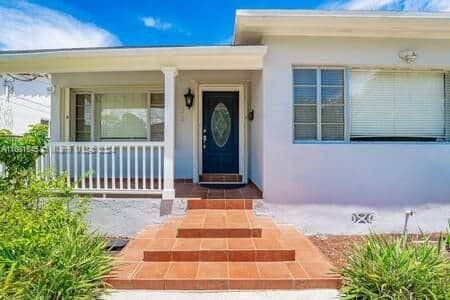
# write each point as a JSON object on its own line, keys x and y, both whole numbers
{"x": 204, "y": 141}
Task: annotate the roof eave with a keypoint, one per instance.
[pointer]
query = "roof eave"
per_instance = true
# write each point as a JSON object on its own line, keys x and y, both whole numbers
{"x": 134, "y": 59}
{"x": 252, "y": 24}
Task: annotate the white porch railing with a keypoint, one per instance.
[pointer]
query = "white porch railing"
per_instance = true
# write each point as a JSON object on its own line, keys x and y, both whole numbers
{"x": 107, "y": 167}
{"x": 2, "y": 170}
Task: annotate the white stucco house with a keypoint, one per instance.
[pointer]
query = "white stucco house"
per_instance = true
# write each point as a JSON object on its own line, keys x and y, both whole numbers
{"x": 348, "y": 108}
{"x": 28, "y": 104}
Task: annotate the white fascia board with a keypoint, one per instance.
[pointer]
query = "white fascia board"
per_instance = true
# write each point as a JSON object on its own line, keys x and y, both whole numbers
{"x": 251, "y": 25}
{"x": 182, "y": 51}
{"x": 340, "y": 13}
{"x": 134, "y": 59}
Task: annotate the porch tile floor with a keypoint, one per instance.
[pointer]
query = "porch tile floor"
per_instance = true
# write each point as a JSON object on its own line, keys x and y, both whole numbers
{"x": 225, "y": 247}
{"x": 187, "y": 189}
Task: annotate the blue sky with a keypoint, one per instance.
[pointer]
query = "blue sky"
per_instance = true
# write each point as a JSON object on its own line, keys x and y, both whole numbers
{"x": 39, "y": 24}
{"x": 187, "y": 22}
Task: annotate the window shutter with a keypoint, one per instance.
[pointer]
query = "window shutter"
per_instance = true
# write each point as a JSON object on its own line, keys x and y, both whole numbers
{"x": 396, "y": 104}
{"x": 447, "y": 105}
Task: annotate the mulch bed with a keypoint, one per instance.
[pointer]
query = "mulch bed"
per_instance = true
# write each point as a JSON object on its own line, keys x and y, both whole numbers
{"x": 338, "y": 247}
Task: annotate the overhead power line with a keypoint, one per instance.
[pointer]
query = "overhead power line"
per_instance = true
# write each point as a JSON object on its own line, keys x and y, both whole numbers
{"x": 29, "y": 107}
{"x": 26, "y": 100}
{"x": 31, "y": 101}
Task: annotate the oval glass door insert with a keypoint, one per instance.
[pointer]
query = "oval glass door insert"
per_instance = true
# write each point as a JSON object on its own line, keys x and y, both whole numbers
{"x": 221, "y": 124}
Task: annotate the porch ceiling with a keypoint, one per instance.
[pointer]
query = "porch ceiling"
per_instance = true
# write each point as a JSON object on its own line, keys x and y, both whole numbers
{"x": 133, "y": 59}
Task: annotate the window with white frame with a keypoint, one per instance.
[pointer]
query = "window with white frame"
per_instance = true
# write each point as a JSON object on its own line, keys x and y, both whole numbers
{"x": 393, "y": 105}
{"x": 319, "y": 104}
{"x": 118, "y": 116}
{"x": 83, "y": 117}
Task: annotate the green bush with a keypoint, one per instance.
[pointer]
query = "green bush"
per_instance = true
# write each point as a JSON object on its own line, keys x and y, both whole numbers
{"x": 46, "y": 251}
{"x": 20, "y": 153}
{"x": 447, "y": 237}
{"x": 392, "y": 268}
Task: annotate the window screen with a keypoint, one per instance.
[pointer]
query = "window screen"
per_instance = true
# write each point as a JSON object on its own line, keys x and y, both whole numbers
{"x": 318, "y": 104}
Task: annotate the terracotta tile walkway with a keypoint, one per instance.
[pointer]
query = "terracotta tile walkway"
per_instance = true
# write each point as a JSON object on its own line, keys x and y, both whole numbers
{"x": 184, "y": 188}
{"x": 187, "y": 189}
{"x": 221, "y": 245}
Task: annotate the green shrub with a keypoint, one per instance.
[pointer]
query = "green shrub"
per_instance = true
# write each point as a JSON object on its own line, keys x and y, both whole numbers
{"x": 447, "y": 237}
{"x": 391, "y": 268}
{"x": 20, "y": 153}
{"x": 46, "y": 251}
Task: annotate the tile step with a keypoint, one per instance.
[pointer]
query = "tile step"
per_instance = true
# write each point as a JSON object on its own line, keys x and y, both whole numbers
{"x": 225, "y": 284}
{"x": 220, "y": 204}
{"x": 221, "y": 276}
{"x": 221, "y": 255}
{"x": 219, "y": 232}
{"x": 216, "y": 248}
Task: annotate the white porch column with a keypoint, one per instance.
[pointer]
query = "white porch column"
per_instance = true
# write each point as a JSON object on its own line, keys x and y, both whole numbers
{"x": 55, "y": 115}
{"x": 169, "y": 132}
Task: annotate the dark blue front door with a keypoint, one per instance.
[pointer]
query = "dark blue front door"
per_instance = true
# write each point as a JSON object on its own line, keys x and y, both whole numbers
{"x": 220, "y": 133}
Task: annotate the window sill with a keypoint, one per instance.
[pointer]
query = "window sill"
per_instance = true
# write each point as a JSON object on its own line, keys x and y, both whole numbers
{"x": 400, "y": 142}
{"x": 368, "y": 143}
{"x": 319, "y": 142}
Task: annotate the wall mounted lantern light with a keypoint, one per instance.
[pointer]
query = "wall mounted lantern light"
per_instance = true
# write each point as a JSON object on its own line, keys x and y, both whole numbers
{"x": 251, "y": 115}
{"x": 189, "y": 97}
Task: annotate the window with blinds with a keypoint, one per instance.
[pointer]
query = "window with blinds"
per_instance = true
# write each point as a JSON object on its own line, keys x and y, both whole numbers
{"x": 318, "y": 104}
{"x": 122, "y": 116}
{"x": 447, "y": 106}
{"x": 116, "y": 116}
{"x": 396, "y": 105}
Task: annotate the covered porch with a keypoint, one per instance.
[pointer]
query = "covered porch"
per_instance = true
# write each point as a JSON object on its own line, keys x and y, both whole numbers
{"x": 120, "y": 123}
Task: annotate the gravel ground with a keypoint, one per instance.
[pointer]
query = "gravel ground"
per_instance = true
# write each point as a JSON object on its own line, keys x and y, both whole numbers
{"x": 126, "y": 217}
{"x": 337, "y": 247}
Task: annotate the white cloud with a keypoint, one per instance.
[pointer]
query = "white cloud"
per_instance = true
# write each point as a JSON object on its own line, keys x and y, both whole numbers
{"x": 28, "y": 26}
{"x": 157, "y": 23}
{"x": 410, "y": 5}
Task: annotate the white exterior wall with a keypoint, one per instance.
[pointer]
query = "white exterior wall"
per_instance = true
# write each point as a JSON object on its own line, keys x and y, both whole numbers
{"x": 368, "y": 174}
{"x": 184, "y": 116}
{"x": 30, "y": 104}
{"x": 184, "y": 129}
{"x": 256, "y": 150}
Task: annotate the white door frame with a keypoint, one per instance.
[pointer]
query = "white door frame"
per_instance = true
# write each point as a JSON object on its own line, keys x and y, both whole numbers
{"x": 198, "y": 125}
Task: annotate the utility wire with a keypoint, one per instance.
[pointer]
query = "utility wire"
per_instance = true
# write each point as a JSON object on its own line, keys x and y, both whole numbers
{"x": 31, "y": 101}
{"x": 29, "y": 107}
{"x": 25, "y": 99}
